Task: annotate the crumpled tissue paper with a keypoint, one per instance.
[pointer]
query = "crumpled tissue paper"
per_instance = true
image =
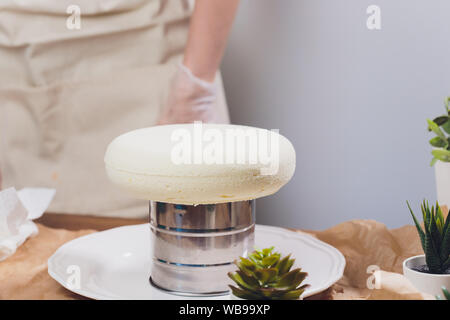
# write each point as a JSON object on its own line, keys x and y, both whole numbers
{"x": 17, "y": 210}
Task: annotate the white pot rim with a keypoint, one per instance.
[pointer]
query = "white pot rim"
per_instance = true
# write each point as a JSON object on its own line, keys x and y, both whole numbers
{"x": 424, "y": 274}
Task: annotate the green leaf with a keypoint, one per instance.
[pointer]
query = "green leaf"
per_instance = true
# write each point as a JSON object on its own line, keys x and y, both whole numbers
{"x": 445, "y": 248}
{"x": 267, "y": 251}
{"x": 439, "y": 226}
{"x": 270, "y": 260}
{"x": 439, "y": 216}
{"x": 446, "y": 224}
{"x": 441, "y": 154}
{"x": 271, "y": 293}
{"x": 292, "y": 295}
{"x": 435, "y": 234}
{"x": 283, "y": 265}
{"x": 438, "y": 142}
{"x": 255, "y": 255}
{"x": 446, "y": 264}
{"x": 446, "y": 293}
{"x": 419, "y": 228}
{"x": 446, "y": 127}
{"x": 246, "y": 262}
{"x": 432, "y": 257}
{"x": 433, "y": 161}
{"x": 244, "y": 294}
{"x": 426, "y": 214}
{"x": 252, "y": 283}
{"x": 301, "y": 276}
{"x": 255, "y": 260}
{"x": 266, "y": 275}
{"x": 435, "y": 128}
{"x": 440, "y": 120}
{"x": 291, "y": 279}
{"x": 239, "y": 281}
{"x": 288, "y": 266}
{"x": 246, "y": 265}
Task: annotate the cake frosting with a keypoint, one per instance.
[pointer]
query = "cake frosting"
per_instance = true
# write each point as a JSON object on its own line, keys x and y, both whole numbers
{"x": 200, "y": 163}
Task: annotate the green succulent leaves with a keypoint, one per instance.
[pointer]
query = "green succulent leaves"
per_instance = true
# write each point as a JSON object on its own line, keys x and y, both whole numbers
{"x": 434, "y": 236}
{"x": 265, "y": 275}
{"x": 441, "y": 127}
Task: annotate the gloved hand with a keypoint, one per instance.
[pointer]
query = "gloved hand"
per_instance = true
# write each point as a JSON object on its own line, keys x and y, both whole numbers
{"x": 191, "y": 99}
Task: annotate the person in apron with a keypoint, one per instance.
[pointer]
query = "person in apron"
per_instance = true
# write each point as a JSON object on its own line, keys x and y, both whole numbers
{"x": 76, "y": 74}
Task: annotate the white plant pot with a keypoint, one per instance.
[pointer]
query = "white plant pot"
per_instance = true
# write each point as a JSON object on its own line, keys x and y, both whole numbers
{"x": 442, "y": 172}
{"x": 424, "y": 282}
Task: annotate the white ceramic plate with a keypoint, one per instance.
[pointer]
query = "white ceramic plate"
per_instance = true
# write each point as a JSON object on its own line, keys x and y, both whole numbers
{"x": 115, "y": 264}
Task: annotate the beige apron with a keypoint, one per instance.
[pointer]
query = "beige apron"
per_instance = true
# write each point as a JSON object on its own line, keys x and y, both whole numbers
{"x": 65, "y": 94}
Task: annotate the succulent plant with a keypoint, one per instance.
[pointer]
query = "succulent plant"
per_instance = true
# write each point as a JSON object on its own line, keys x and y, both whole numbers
{"x": 441, "y": 142}
{"x": 446, "y": 294}
{"x": 435, "y": 237}
{"x": 265, "y": 275}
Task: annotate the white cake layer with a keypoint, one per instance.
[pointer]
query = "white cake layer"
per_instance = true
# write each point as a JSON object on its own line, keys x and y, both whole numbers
{"x": 146, "y": 163}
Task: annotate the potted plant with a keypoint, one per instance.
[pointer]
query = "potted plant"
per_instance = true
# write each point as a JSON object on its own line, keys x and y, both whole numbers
{"x": 430, "y": 272}
{"x": 266, "y": 275}
{"x": 441, "y": 153}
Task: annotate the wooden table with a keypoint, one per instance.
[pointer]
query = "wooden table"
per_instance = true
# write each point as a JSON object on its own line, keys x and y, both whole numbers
{"x": 363, "y": 242}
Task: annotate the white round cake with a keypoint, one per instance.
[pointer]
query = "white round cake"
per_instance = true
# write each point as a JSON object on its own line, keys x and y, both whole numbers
{"x": 200, "y": 163}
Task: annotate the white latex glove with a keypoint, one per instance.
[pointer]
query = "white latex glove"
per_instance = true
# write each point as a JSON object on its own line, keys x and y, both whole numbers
{"x": 190, "y": 99}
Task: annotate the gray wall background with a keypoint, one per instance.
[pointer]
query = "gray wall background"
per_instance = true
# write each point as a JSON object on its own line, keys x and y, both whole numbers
{"x": 352, "y": 101}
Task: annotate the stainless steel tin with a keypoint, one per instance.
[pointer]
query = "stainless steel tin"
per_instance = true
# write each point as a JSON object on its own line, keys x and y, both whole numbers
{"x": 194, "y": 246}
